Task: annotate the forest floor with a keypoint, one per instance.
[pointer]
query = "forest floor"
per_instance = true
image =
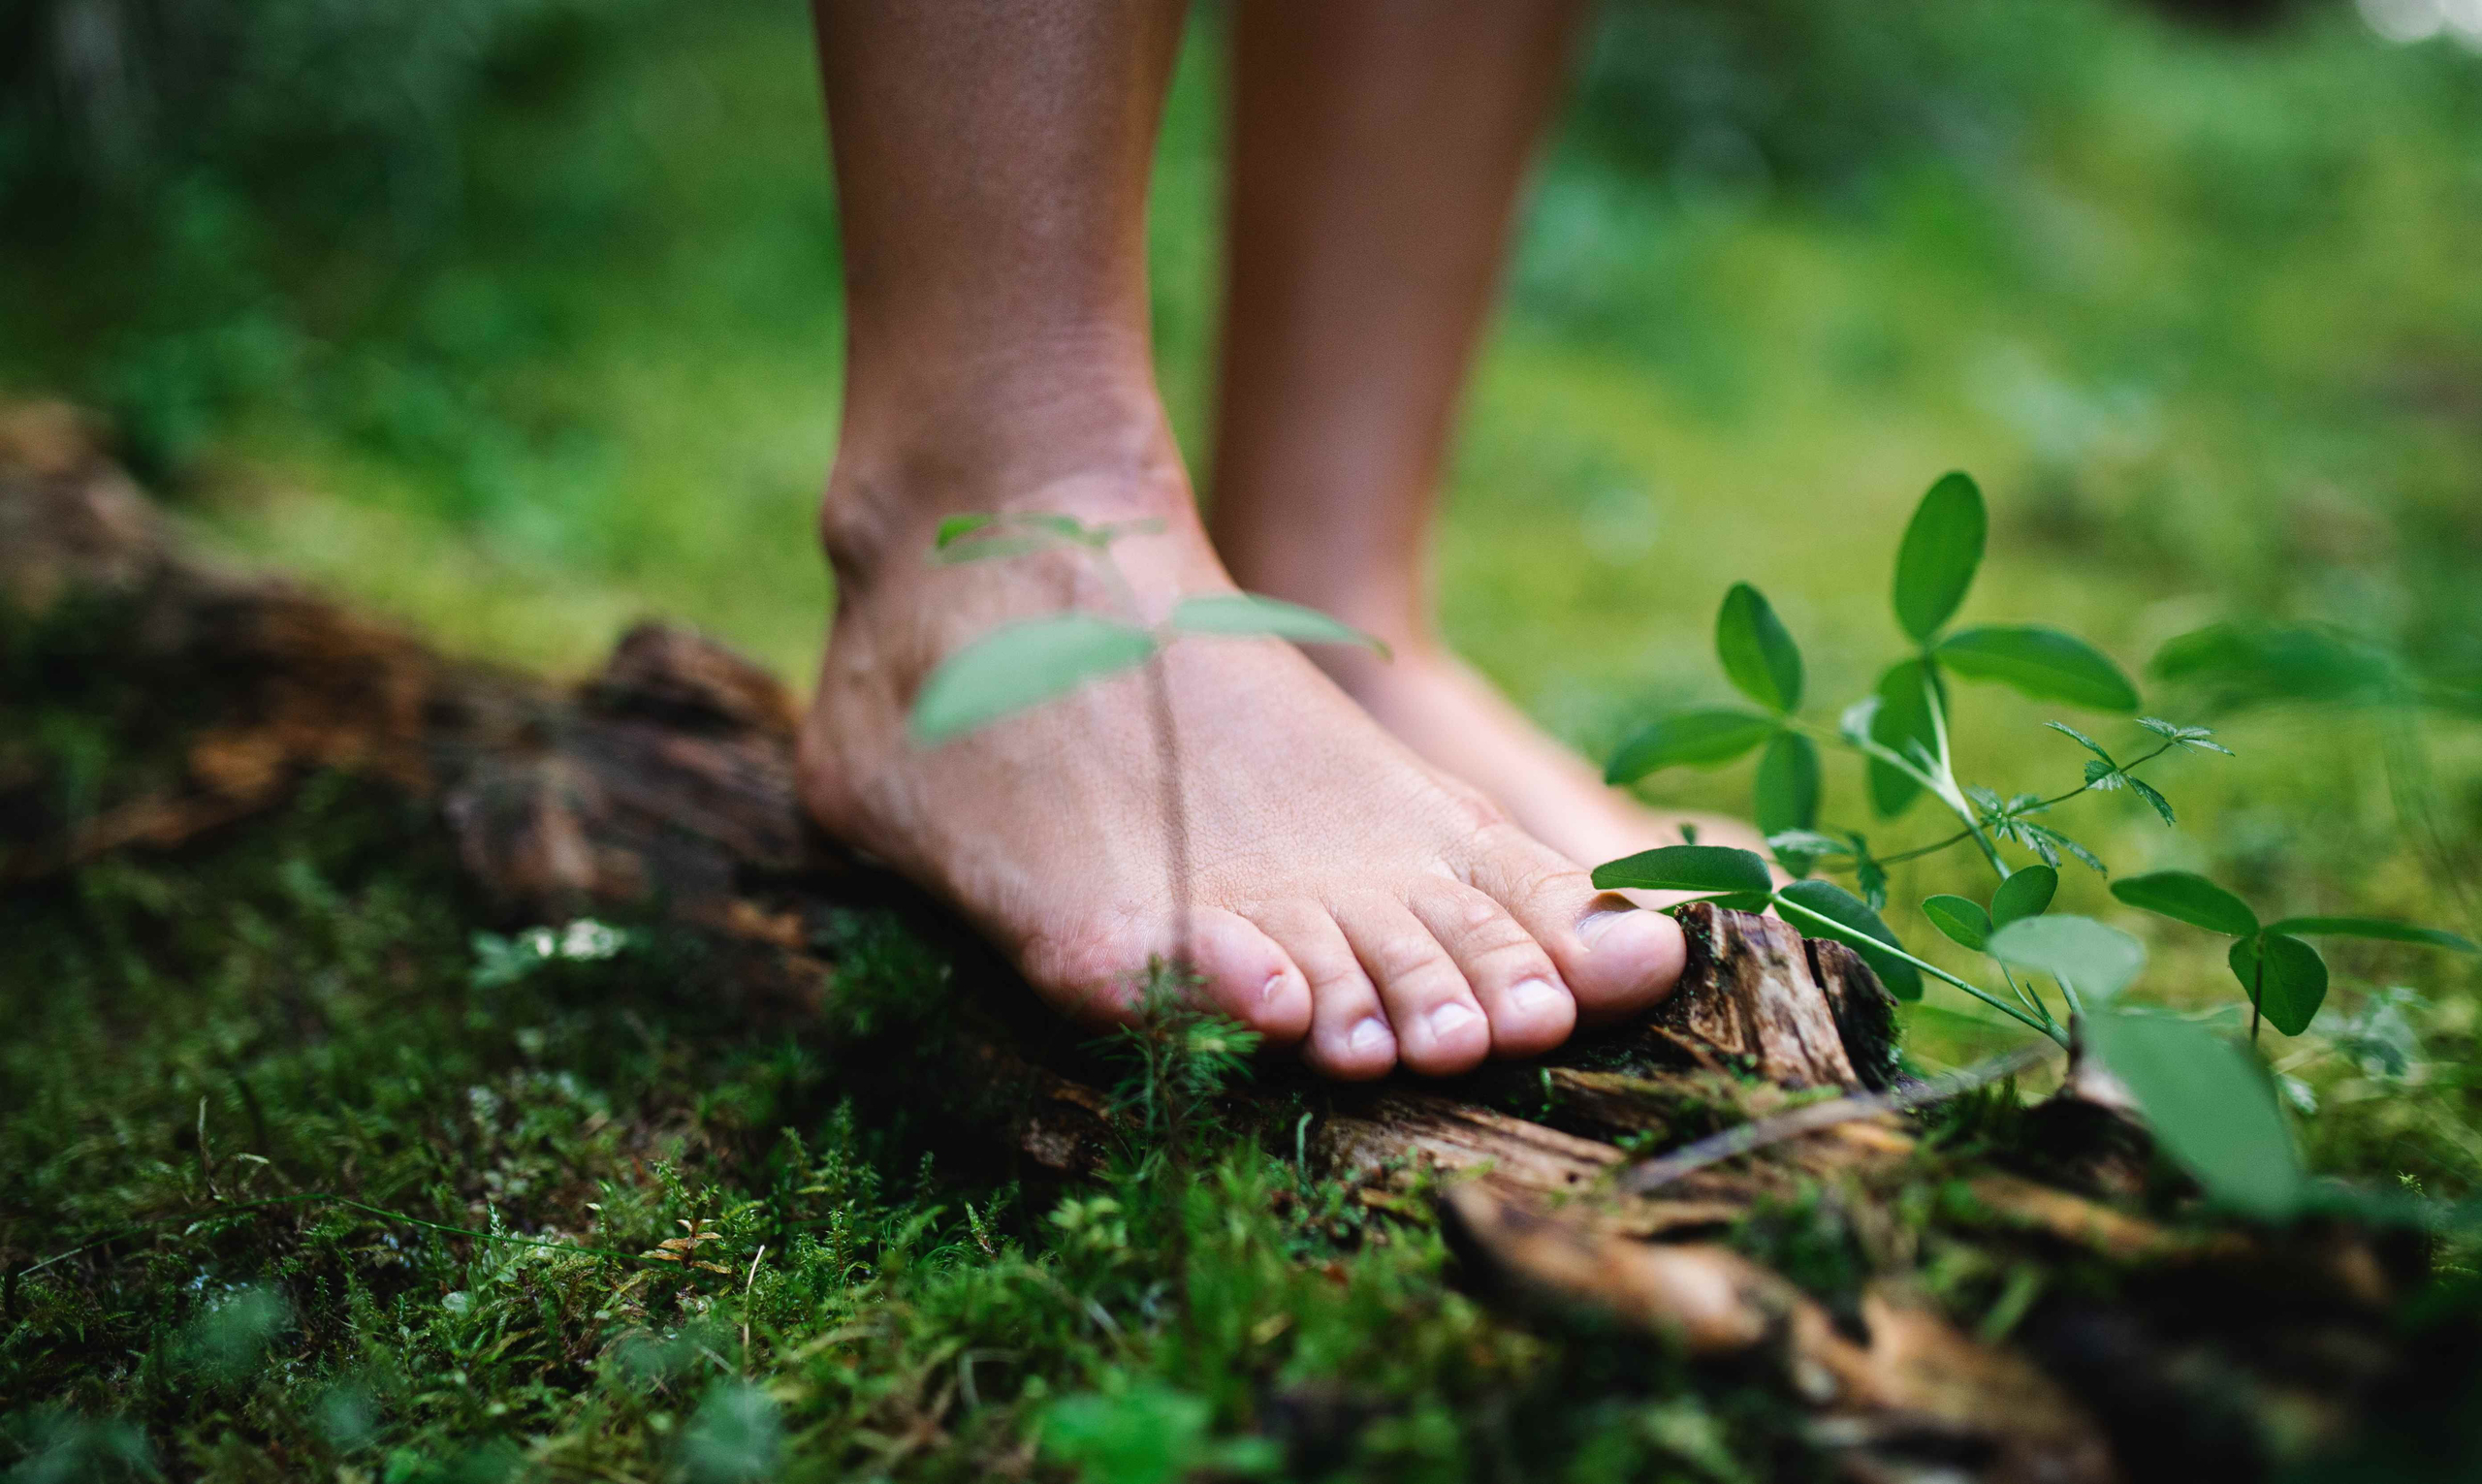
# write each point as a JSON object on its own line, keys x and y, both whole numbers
{"x": 2201, "y": 314}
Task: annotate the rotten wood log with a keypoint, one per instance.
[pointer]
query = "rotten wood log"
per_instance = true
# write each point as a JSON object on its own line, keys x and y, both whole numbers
{"x": 1909, "y": 1393}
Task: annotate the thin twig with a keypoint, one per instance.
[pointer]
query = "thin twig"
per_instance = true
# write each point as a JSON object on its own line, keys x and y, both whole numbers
{"x": 1733, "y": 1143}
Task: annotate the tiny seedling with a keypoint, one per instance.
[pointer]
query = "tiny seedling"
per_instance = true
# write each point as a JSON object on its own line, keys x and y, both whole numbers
{"x": 2210, "y": 1099}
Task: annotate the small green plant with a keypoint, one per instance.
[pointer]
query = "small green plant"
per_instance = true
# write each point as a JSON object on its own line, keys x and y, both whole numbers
{"x": 2283, "y": 976}
{"x": 2208, "y": 1099}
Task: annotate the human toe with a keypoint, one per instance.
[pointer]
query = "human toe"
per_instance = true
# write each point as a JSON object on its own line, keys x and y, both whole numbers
{"x": 1439, "y": 1026}
{"x": 1613, "y": 956}
{"x": 1350, "y": 1038}
{"x": 1512, "y": 978}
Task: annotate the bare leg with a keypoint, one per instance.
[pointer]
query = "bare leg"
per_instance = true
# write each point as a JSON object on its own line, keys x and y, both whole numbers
{"x": 992, "y": 162}
{"x": 1378, "y": 145}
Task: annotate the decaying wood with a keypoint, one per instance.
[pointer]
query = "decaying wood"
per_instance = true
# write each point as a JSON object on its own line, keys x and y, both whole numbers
{"x": 1754, "y": 1008}
{"x": 666, "y": 783}
{"x": 1864, "y": 1011}
{"x": 1911, "y": 1389}
{"x": 1399, "y": 1135}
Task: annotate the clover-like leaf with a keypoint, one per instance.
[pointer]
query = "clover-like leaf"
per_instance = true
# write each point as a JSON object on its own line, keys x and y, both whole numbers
{"x": 1021, "y": 664}
{"x": 2154, "y": 797}
{"x": 2043, "y": 663}
{"x": 1901, "y": 722}
{"x": 1759, "y": 656}
{"x": 1962, "y": 919}
{"x": 1788, "y": 785}
{"x": 2026, "y": 893}
{"x": 1942, "y": 548}
{"x": 2211, "y": 1106}
{"x": 1247, "y": 614}
{"x": 2283, "y": 976}
{"x": 1686, "y": 868}
{"x": 2184, "y": 895}
{"x": 1701, "y": 738}
{"x": 2378, "y": 927}
{"x": 2096, "y": 961}
{"x": 1856, "y": 926}
{"x": 2244, "y": 663}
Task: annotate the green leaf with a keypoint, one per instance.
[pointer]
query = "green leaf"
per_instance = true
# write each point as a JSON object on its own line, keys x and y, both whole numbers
{"x": 2210, "y": 1107}
{"x": 1901, "y": 719}
{"x": 1942, "y": 547}
{"x": 2044, "y": 664}
{"x": 2285, "y": 975}
{"x": 2049, "y": 843}
{"x": 1247, "y": 614}
{"x": 2372, "y": 928}
{"x": 962, "y": 539}
{"x": 1856, "y": 926}
{"x": 957, "y": 527}
{"x": 1705, "y": 739}
{"x": 2026, "y": 893}
{"x": 2148, "y": 792}
{"x": 2242, "y": 664}
{"x": 1788, "y": 785}
{"x": 1759, "y": 656}
{"x": 1686, "y": 868}
{"x": 2201, "y": 737}
{"x": 1020, "y": 665}
{"x": 1960, "y": 918}
{"x": 1869, "y": 874}
{"x": 2096, "y": 961}
{"x": 2186, "y": 896}
{"x": 2087, "y": 743}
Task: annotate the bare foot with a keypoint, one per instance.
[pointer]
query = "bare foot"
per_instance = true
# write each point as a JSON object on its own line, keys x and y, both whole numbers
{"x": 1456, "y": 721}
{"x": 1346, "y": 896}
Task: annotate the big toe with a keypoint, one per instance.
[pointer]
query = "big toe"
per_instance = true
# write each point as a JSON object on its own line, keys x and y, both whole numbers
{"x": 1614, "y": 956}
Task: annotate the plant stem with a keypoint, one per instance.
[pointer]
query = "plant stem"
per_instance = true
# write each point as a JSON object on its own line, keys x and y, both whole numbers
{"x": 2032, "y": 1000}
{"x": 1947, "y": 790}
{"x": 1176, "y": 817}
{"x": 1167, "y": 750}
{"x": 1961, "y": 836}
{"x": 2257, "y": 990}
{"x": 1841, "y": 934}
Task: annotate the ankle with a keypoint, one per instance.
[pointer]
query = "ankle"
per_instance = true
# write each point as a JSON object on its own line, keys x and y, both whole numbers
{"x": 1103, "y": 453}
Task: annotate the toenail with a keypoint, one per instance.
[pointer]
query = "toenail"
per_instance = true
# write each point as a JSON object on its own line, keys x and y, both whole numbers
{"x": 1370, "y": 1038}
{"x": 1594, "y": 925}
{"x": 1269, "y": 990}
{"x": 1450, "y": 1019}
{"x": 1536, "y": 999}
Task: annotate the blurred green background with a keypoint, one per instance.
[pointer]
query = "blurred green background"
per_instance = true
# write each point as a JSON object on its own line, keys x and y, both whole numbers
{"x": 518, "y": 318}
